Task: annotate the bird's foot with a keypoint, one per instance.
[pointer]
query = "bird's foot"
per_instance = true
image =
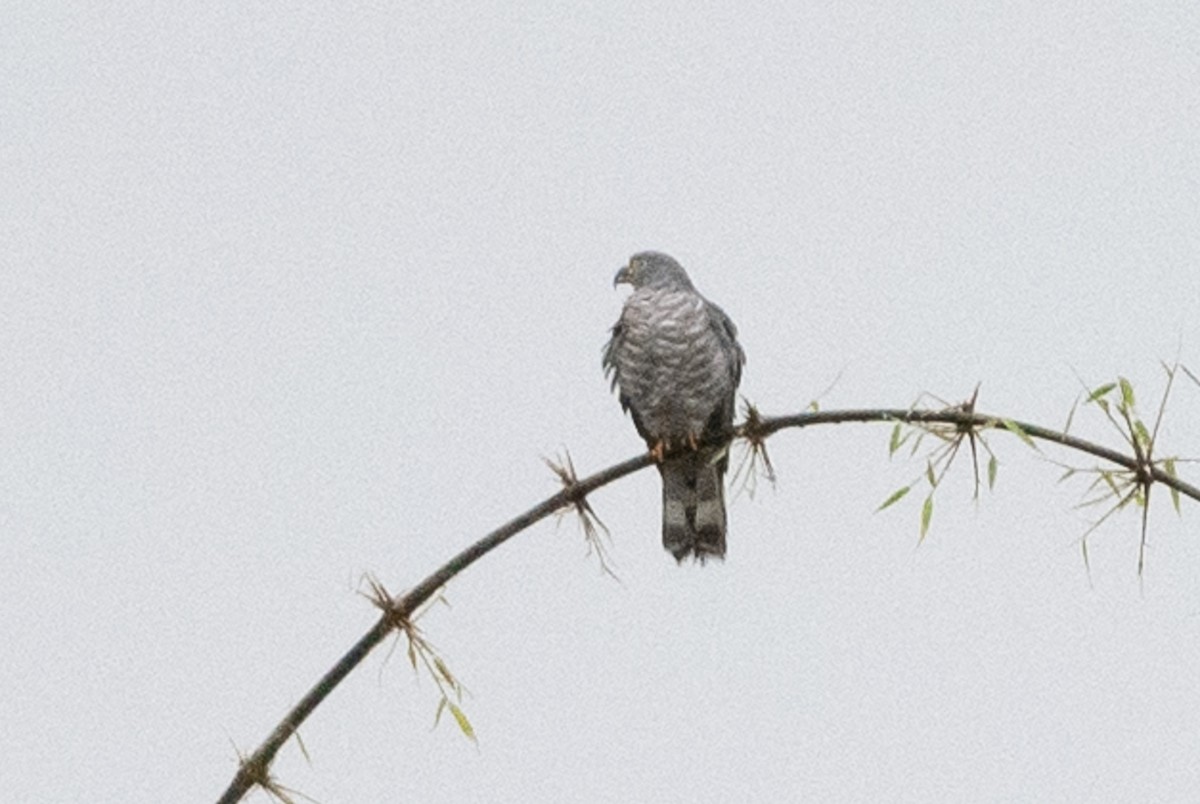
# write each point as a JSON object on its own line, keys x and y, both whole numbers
{"x": 657, "y": 449}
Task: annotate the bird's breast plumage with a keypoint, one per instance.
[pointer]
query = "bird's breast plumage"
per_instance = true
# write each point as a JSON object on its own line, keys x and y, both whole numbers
{"x": 670, "y": 362}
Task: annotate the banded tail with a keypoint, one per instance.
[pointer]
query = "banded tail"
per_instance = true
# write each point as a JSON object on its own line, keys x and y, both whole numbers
{"x": 694, "y": 506}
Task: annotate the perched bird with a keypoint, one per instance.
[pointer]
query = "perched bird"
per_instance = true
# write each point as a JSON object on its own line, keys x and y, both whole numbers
{"x": 676, "y": 362}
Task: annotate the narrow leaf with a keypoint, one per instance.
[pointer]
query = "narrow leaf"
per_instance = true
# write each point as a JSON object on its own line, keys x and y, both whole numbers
{"x": 929, "y": 474}
{"x": 437, "y": 717}
{"x": 926, "y": 516}
{"x": 1101, "y": 392}
{"x": 464, "y": 725}
{"x": 896, "y": 441}
{"x": 444, "y": 672}
{"x": 1143, "y": 435}
{"x": 1071, "y": 415}
{"x": 1127, "y": 398}
{"x": 1169, "y": 466}
{"x": 1188, "y": 372}
{"x": 303, "y": 747}
{"x": 897, "y": 495}
{"x": 1016, "y": 430}
{"x": 993, "y": 465}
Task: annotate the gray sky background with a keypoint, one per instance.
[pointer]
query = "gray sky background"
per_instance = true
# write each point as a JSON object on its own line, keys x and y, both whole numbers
{"x": 292, "y": 295}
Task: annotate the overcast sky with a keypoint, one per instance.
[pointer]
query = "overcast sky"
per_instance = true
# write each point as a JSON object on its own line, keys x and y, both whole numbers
{"x": 290, "y": 296}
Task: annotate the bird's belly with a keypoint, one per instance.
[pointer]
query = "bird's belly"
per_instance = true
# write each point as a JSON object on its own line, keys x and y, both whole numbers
{"x": 678, "y": 386}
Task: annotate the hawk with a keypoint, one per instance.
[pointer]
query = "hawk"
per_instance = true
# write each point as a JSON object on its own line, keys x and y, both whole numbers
{"x": 676, "y": 362}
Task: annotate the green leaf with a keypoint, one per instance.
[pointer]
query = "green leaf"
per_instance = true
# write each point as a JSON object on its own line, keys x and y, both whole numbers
{"x": 1071, "y": 415}
{"x": 1016, "y": 430}
{"x": 464, "y": 725}
{"x": 993, "y": 465}
{"x": 444, "y": 672}
{"x": 1068, "y": 473}
{"x": 1101, "y": 392}
{"x": 929, "y": 475}
{"x": 896, "y": 440}
{"x": 897, "y": 495}
{"x": 1127, "y": 398}
{"x": 1142, "y": 434}
{"x": 1169, "y": 466}
{"x": 926, "y": 516}
{"x": 437, "y": 717}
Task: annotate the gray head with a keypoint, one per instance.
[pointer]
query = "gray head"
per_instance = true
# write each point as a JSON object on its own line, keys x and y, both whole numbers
{"x": 654, "y": 270}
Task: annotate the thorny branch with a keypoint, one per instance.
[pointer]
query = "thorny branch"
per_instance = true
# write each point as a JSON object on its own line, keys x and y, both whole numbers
{"x": 399, "y": 612}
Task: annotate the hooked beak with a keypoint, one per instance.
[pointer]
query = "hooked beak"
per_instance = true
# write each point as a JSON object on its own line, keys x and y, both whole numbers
{"x": 622, "y": 276}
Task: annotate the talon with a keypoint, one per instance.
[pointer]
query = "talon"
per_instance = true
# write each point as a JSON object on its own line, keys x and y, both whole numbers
{"x": 657, "y": 450}
{"x": 693, "y": 442}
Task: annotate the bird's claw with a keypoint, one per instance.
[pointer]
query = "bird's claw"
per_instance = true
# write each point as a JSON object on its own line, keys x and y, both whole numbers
{"x": 660, "y": 447}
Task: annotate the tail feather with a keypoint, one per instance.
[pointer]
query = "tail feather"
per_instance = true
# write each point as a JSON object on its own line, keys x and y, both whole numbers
{"x": 694, "y": 507}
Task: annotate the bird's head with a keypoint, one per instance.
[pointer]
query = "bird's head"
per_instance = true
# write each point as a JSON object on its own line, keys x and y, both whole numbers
{"x": 655, "y": 270}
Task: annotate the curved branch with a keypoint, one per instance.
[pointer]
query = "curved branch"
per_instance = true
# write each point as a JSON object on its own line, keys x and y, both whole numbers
{"x": 254, "y": 769}
{"x": 966, "y": 419}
